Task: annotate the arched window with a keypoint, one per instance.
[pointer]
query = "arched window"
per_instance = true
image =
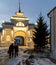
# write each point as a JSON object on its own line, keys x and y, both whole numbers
{"x": 20, "y": 24}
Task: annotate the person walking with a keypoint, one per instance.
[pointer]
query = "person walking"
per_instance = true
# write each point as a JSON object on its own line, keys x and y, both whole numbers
{"x": 16, "y": 48}
{"x": 10, "y": 51}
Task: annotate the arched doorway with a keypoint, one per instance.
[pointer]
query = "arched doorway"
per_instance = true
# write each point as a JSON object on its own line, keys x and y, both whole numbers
{"x": 22, "y": 36}
{"x": 20, "y": 40}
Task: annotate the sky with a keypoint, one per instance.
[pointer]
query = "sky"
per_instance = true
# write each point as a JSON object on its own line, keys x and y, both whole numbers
{"x": 31, "y": 9}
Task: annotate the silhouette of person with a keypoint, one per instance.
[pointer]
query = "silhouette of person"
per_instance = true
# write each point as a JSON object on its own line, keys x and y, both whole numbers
{"x": 10, "y": 51}
{"x": 16, "y": 48}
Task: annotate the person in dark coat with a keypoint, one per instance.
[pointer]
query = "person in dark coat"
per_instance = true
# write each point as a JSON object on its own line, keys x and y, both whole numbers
{"x": 16, "y": 48}
{"x": 10, "y": 51}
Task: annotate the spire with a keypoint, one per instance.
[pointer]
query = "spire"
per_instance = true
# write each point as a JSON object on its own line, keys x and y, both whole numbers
{"x": 19, "y": 7}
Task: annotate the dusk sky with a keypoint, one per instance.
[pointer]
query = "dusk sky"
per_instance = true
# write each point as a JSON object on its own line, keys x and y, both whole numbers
{"x": 31, "y": 9}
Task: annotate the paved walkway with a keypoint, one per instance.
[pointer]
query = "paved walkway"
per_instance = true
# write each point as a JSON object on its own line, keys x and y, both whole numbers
{"x": 14, "y": 61}
{"x": 22, "y": 57}
{"x": 17, "y": 60}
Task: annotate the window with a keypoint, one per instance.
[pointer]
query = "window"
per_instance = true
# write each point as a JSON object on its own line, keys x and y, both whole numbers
{"x": 20, "y": 24}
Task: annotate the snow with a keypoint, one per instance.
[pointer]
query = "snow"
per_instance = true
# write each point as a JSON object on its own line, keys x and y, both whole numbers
{"x": 45, "y": 61}
{"x": 14, "y": 61}
{"x": 20, "y": 59}
{"x": 33, "y": 61}
{"x": 42, "y": 61}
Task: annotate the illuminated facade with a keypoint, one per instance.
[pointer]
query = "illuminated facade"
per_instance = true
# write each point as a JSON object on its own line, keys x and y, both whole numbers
{"x": 20, "y": 29}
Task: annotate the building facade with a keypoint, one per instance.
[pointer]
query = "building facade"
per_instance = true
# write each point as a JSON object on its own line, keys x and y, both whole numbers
{"x": 52, "y": 16}
{"x": 18, "y": 29}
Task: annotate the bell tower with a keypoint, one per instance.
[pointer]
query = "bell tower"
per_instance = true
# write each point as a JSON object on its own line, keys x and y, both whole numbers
{"x": 19, "y": 17}
{"x": 20, "y": 28}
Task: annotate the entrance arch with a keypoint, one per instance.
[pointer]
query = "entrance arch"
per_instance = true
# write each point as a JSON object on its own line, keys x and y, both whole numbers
{"x": 20, "y": 40}
{"x": 20, "y": 35}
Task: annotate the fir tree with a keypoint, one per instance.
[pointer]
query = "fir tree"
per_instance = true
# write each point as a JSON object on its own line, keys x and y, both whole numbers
{"x": 40, "y": 33}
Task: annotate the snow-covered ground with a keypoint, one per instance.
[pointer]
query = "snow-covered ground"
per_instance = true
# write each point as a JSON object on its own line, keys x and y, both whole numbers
{"x": 39, "y": 61}
{"x": 21, "y": 59}
{"x": 3, "y": 56}
{"x": 43, "y": 61}
{"x": 17, "y": 60}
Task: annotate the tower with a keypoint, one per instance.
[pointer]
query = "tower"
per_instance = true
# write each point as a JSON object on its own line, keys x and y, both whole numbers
{"x": 20, "y": 27}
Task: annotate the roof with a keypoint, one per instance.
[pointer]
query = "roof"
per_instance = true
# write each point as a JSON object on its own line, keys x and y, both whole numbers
{"x": 8, "y": 23}
{"x": 51, "y": 10}
{"x": 31, "y": 24}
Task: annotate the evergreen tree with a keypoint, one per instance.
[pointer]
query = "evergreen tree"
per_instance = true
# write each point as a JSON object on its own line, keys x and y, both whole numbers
{"x": 40, "y": 33}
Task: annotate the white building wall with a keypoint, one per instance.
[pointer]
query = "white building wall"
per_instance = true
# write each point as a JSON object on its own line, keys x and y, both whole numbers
{"x": 53, "y": 33}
